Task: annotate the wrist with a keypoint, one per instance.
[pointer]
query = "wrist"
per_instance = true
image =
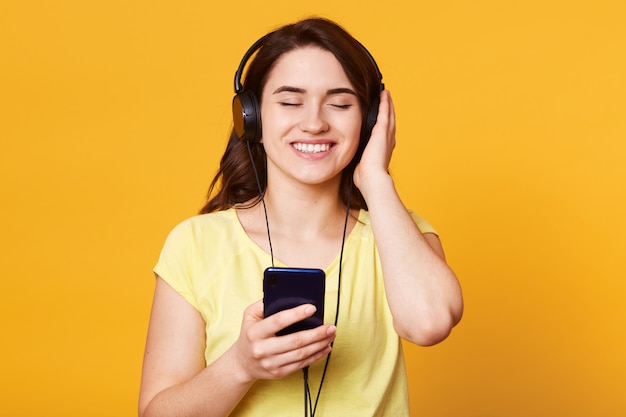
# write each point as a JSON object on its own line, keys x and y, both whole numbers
{"x": 374, "y": 185}
{"x": 235, "y": 367}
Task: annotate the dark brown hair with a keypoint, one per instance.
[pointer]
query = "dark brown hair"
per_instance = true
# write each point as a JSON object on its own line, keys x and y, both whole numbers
{"x": 236, "y": 175}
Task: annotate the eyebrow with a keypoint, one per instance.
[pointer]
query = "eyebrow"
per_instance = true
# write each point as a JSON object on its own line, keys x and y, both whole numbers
{"x": 289, "y": 89}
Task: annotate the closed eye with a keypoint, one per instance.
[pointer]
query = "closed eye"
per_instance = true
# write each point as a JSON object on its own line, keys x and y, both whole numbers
{"x": 342, "y": 106}
{"x": 288, "y": 104}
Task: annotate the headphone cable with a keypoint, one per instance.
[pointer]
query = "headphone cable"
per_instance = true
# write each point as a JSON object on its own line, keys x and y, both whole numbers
{"x": 262, "y": 194}
{"x": 343, "y": 241}
{"x": 305, "y": 371}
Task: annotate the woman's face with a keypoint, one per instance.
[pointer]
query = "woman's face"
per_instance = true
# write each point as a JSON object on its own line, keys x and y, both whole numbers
{"x": 310, "y": 116}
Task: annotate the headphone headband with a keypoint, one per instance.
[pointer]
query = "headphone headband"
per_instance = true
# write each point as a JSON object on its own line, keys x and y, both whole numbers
{"x": 255, "y": 46}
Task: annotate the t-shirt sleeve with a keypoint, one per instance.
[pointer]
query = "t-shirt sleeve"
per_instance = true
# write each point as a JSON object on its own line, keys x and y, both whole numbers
{"x": 422, "y": 224}
{"x": 175, "y": 264}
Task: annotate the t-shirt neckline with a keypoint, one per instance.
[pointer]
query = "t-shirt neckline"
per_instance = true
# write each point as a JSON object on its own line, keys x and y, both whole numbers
{"x": 277, "y": 262}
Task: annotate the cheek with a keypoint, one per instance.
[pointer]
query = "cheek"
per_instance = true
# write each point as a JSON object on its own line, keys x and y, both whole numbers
{"x": 272, "y": 122}
{"x": 266, "y": 124}
{"x": 356, "y": 129}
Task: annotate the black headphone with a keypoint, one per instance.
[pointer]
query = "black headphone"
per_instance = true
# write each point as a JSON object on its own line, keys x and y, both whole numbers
{"x": 247, "y": 111}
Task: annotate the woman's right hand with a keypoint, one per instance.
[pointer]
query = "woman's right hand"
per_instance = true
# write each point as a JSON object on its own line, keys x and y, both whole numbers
{"x": 263, "y": 355}
{"x": 176, "y": 379}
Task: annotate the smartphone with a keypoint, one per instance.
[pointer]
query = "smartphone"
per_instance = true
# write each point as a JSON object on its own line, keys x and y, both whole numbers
{"x": 285, "y": 288}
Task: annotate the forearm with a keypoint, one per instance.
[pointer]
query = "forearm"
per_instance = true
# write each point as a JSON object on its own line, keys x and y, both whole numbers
{"x": 422, "y": 291}
{"x": 175, "y": 384}
{"x": 213, "y": 392}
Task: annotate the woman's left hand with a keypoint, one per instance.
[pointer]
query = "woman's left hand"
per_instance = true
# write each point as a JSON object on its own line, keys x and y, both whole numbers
{"x": 374, "y": 163}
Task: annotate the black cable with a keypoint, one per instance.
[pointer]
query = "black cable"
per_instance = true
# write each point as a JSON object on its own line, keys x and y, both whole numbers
{"x": 343, "y": 241}
{"x": 261, "y": 194}
{"x": 307, "y": 401}
{"x": 305, "y": 371}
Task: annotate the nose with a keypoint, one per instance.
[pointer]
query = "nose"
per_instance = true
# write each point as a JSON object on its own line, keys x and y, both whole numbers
{"x": 313, "y": 120}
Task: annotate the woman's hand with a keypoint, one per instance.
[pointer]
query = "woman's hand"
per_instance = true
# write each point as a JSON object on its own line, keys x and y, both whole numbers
{"x": 423, "y": 293}
{"x": 374, "y": 164}
{"x": 175, "y": 376}
{"x": 263, "y": 355}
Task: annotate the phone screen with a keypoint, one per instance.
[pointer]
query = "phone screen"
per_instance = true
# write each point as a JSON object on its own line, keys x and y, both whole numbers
{"x": 285, "y": 288}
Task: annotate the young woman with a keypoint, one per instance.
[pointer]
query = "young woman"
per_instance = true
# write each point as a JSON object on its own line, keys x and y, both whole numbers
{"x": 210, "y": 351}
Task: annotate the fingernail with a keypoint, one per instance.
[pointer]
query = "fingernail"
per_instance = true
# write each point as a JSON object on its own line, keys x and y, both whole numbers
{"x": 310, "y": 309}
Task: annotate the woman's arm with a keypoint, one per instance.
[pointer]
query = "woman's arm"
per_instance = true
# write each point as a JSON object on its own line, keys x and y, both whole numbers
{"x": 423, "y": 293}
{"x": 175, "y": 380}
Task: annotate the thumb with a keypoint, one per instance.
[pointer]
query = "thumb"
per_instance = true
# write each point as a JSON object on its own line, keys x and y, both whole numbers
{"x": 254, "y": 312}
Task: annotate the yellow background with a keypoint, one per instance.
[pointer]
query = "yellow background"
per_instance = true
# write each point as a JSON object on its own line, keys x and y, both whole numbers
{"x": 511, "y": 141}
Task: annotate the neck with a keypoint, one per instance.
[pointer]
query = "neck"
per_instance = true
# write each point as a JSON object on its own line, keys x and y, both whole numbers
{"x": 304, "y": 213}
{"x": 306, "y": 222}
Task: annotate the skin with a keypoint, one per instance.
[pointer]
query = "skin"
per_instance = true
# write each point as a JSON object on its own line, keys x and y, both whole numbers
{"x": 306, "y": 100}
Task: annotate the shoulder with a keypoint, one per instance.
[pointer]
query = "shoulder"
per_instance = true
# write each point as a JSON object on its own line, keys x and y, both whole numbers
{"x": 208, "y": 221}
{"x": 201, "y": 239}
{"x": 199, "y": 227}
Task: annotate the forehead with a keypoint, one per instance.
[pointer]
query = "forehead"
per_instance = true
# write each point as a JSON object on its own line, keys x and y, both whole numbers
{"x": 308, "y": 66}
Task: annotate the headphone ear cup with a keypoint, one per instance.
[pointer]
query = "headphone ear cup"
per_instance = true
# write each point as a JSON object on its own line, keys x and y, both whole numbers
{"x": 247, "y": 117}
{"x": 372, "y": 116}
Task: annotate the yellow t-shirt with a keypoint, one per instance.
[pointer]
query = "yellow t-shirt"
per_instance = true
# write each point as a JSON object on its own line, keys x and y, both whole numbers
{"x": 218, "y": 269}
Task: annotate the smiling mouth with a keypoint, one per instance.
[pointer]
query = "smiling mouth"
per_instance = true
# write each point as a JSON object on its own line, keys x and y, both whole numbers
{"x": 311, "y": 148}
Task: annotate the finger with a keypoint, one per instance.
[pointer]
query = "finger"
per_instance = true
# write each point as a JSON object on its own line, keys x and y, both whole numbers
{"x": 303, "y": 358}
{"x": 282, "y": 319}
{"x": 296, "y": 350}
{"x": 391, "y": 112}
{"x": 382, "y": 120}
{"x": 307, "y": 339}
{"x": 253, "y": 314}
{"x": 256, "y": 310}
{"x": 280, "y": 366}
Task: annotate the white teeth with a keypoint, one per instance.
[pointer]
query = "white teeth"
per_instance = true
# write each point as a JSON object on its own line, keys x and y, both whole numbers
{"x": 311, "y": 148}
